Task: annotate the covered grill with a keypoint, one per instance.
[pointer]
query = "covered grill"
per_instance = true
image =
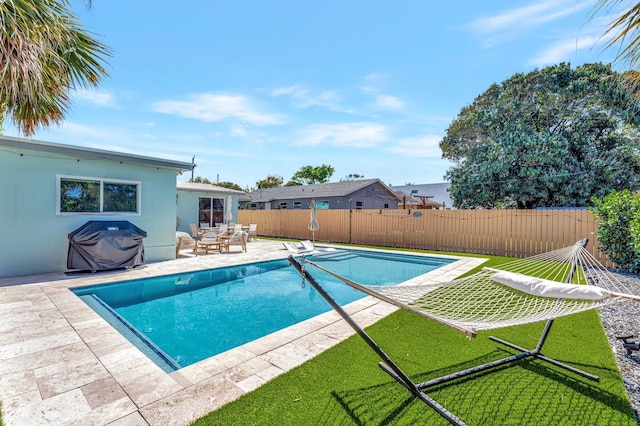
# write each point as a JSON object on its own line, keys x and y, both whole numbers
{"x": 104, "y": 245}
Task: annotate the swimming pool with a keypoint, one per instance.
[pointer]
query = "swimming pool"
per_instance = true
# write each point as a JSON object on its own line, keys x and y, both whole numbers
{"x": 178, "y": 320}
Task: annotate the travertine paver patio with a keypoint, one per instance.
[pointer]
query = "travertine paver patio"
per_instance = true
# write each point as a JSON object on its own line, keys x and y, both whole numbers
{"x": 62, "y": 364}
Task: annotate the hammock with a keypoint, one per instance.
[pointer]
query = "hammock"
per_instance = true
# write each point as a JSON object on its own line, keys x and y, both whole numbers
{"x": 523, "y": 291}
{"x": 543, "y": 287}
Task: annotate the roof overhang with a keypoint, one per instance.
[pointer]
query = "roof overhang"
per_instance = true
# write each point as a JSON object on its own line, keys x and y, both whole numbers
{"x": 205, "y": 187}
{"x": 92, "y": 153}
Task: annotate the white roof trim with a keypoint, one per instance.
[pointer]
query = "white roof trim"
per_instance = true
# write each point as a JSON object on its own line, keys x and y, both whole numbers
{"x": 82, "y": 152}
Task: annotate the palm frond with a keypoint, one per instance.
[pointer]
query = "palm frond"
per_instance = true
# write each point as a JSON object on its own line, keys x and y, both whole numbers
{"x": 44, "y": 54}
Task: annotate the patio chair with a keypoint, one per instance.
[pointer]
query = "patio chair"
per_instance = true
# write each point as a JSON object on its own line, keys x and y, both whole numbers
{"x": 216, "y": 232}
{"x": 308, "y": 245}
{"x": 183, "y": 240}
{"x": 293, "y": 248}
{"x": 237, "y": 227}
{"x": 235, "y": 239}
{"x": 195, "y": 235}
{"x": 253, "y": 231}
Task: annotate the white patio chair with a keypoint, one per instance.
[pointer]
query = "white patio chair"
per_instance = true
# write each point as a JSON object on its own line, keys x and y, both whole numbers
{"x": 308, "y": 245}
{"x": 253, "y": 231}
{"x": 293, "y": 248}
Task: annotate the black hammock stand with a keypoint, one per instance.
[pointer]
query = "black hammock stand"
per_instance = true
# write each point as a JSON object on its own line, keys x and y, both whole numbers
{"x": 418, "y": 389}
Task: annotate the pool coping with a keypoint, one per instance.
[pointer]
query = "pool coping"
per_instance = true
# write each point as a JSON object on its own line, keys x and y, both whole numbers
{"x": 61, "y": 363}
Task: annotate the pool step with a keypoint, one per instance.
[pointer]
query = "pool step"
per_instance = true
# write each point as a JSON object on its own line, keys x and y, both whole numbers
{"x": 339, "y": 256}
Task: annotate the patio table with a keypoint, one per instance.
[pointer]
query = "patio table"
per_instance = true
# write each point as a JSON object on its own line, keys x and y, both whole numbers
{"x": 211, "y": 244}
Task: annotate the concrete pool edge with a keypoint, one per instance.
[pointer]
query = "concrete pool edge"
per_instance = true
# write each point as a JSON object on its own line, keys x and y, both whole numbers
{"x": 95, "y": 375}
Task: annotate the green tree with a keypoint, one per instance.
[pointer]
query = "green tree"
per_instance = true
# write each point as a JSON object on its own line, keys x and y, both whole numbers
{"x": 230, "y": 185}
{"x": 553, "y": 137}
{"x": 271, "y": 181}
{"x": 618, "y": 216}
{"x": 352, "y": 176}
{"x": 199, "y": 179}
{"x": 308, "y": 175}
{"x": 45, "y": 54}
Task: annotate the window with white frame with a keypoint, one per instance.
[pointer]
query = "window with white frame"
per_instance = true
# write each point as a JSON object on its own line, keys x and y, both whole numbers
{"x": 87, "y": 195}
{"x": 297, "y": 205}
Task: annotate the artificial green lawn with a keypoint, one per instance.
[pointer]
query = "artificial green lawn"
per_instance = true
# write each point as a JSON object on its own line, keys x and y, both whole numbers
{"x": 344, "y": 384}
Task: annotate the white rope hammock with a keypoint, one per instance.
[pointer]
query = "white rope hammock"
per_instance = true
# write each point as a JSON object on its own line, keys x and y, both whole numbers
{"x": 542, "y": 287}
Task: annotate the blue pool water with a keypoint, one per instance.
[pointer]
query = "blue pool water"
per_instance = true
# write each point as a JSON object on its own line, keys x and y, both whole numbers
{"x": 178, "y": 320}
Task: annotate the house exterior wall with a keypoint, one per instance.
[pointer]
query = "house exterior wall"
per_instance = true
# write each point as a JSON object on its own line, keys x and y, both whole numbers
{"x": 370, "y": 197}
{"x": 35, "y": 236}
{"x": 337, "y": 203}
{"x": 304, "y": 203}
{"x": 188, "y": 206}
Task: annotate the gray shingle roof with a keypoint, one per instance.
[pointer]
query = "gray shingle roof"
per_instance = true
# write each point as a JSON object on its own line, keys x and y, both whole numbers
{"x": 318, "y": 190}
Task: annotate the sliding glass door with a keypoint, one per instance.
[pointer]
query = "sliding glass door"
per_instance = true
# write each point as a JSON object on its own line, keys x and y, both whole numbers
{"x": 211, "y": 211}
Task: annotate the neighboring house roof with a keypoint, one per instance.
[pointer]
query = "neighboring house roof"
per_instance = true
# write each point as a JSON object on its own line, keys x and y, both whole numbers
{"x": 438, "y": 192}
{"x": 316, "y": 191}
{"x": 205, "y": 187}
{"x": 92, "y": 153}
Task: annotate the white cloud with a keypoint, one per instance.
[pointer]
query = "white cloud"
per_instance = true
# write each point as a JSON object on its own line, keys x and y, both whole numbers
{"x": 305, "y": 97}
{"x": 294, "y": 91}
{"x": 238, "y": 131}
{"x": 95, "y": 97}
{"x": 373, "y": 79}
{"x": 422, "y": 146}
{"x": 563, "y": 50}
{"x": 370, "y": 88}
{"x": 89, "y": 132}
{"x": 359, "y": 135}
{"x": 507, "y": 24}
{"x": 217, "y": 107}
{"x": 388, "y": 102}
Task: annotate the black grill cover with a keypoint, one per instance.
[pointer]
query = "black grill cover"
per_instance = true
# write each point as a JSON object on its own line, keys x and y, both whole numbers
{"x": 102, "y": 245}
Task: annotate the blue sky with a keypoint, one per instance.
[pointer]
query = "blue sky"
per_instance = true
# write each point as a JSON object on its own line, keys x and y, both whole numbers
{"x": 257, "y": 88}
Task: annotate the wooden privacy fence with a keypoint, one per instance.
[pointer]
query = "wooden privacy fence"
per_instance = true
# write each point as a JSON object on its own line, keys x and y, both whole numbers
{"x": 513, "y": 233}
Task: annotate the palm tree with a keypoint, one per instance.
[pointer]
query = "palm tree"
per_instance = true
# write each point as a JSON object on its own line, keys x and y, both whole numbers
{"x": 44, "y": 54}
{"x": 625, "y": 30}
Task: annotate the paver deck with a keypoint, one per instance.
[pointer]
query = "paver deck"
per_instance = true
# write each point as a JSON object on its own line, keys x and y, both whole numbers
{"x": 62, "y": 364}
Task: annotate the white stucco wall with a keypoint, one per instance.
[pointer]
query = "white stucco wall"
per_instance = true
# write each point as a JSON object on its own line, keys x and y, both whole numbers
{"x": 34, "y": 237}
{"x": 188, "y": 206}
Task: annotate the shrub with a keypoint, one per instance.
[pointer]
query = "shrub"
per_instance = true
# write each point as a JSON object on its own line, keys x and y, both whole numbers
{"x": 618, "y": 214}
